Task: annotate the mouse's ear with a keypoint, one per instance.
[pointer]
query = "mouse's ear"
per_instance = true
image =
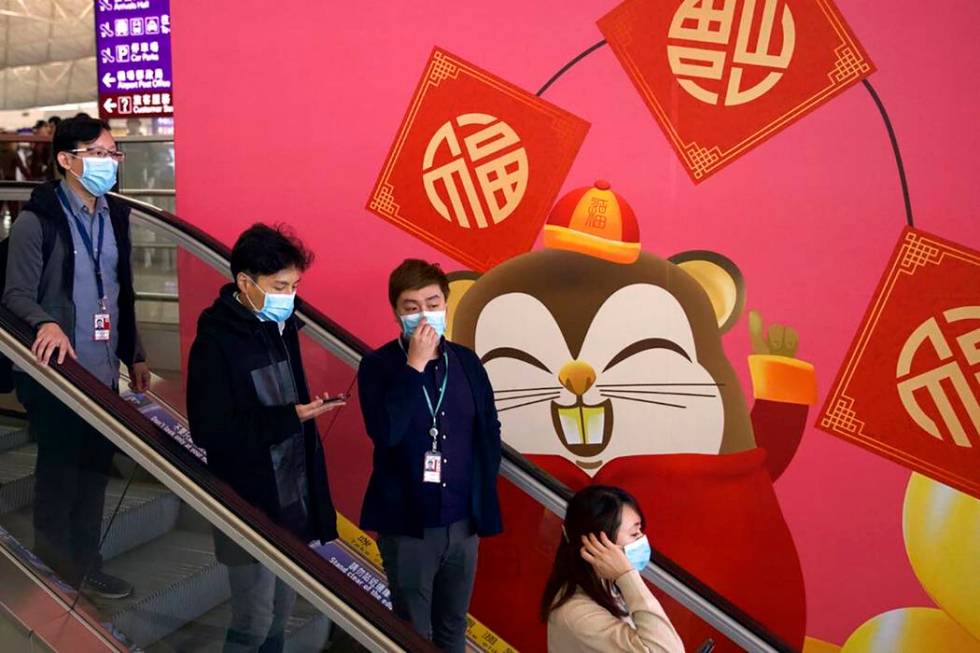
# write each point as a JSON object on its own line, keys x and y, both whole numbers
{"x": 459, "y": 283}
{"x": 721, "y": 280}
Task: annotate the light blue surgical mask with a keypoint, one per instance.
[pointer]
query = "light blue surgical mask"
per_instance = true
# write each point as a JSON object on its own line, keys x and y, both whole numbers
{"x": 276, "y": 307}
{"x": 435, "y": 319}
{"x": 638, "y": 553}
{"x": 98, "y": 174}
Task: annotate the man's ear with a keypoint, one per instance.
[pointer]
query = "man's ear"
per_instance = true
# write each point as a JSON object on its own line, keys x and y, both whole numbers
{"x": 721, "y": 280}
{"x": 242, "y": 282}
{"x": 64, "y": 159}
{"x": 459, "y": 284}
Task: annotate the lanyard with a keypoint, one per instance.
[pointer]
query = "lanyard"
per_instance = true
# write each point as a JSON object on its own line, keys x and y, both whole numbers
{"x": 442, "y": 395}
{"x": 94, "y": 254}
{"x": 434, "y": 431}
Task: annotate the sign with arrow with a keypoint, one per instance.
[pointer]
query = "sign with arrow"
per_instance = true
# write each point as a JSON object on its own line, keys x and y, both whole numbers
{"x": 134, "y": 65}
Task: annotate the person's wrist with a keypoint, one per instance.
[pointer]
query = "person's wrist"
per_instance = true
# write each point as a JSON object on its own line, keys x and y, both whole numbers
{"x": 622, "y": 572}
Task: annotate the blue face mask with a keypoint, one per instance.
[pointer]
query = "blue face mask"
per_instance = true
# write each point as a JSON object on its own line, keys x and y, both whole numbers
{"x": 276, "y": 307}
{"x": 435, "y": 319}
{"x": 638, "y": 553}
{"x": 98, "y": 175}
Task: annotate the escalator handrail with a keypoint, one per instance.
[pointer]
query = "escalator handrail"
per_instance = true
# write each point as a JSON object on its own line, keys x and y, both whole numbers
{"x": 312, "y": 576}
{"x": 699, "y": 597}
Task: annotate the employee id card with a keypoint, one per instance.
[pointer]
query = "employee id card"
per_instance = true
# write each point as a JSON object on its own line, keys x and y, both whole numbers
{"x": 103, "y": 327}
{"x": 432, "y": 467}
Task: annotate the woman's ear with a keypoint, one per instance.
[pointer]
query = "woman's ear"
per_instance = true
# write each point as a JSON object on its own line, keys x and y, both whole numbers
{"x": 459, "y": 284}
{"x": 721, "y": 280}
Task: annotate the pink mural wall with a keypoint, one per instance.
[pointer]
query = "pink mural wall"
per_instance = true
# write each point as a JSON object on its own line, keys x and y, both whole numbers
{"x": 286, "y": 112}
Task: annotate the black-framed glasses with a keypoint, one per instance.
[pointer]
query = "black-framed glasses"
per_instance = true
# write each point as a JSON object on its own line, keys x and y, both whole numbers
{"x": 100, "y": 153}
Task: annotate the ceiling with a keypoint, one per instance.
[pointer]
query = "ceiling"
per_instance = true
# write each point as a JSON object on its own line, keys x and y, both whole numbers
{"x": 47, "y": 53}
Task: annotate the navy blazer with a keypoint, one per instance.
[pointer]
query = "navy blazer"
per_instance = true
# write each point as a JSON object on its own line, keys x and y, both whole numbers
{"x": 388, "y": 388}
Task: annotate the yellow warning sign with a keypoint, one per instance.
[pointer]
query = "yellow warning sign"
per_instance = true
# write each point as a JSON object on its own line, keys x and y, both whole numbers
{"x": 362, "y": 543}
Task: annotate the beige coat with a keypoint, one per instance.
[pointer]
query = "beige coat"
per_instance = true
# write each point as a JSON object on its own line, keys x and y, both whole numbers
{"x": 583, "y": 626}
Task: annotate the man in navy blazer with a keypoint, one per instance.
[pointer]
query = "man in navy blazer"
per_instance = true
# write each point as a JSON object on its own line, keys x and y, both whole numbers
{"x": 428, "y": 407}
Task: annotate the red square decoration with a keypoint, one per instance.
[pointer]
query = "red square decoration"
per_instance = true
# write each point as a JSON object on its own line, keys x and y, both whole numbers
{"x": 476, "y": 164}
{"x": 909, "y": 389}
{"x": 722, "y": 76}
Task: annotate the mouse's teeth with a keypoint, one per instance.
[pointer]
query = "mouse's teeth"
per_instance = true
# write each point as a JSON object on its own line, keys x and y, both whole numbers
{"x": 582, "y": 425}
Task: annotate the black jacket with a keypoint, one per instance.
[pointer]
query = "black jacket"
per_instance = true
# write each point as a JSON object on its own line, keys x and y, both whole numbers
{"x": 40, "y": 274}
{"x": 388, "y": 387}
{"x": 241, "y": 407}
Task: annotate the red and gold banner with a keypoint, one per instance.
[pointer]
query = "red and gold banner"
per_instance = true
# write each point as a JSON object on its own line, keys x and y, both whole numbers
{"x": 476, "y": 164}
{"x": 722, "y": 76}
{"x": 910, "y": 384}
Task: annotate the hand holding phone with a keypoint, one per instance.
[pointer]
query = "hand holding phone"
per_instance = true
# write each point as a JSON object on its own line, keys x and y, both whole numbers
{"x": 336, "y": 399}
{"x": 319, "y": 405}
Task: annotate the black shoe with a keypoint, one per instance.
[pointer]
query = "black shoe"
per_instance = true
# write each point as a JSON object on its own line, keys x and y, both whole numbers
{"x": 106, "y": 586}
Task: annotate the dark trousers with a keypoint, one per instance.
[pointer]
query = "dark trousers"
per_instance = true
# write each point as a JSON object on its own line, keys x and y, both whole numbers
{"x": 260, "y": 607}
{"x": 71, "y": 474}
{"x": 431, "y": 580}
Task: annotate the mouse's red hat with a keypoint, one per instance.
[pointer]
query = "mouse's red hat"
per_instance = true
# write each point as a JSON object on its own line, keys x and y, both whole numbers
{"x": 594, "y": 221}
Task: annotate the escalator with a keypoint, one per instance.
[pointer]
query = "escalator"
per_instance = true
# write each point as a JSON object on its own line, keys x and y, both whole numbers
{"x": 162, "y": 504}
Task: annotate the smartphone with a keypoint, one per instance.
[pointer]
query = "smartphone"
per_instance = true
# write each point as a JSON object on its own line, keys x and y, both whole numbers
{"x": 337, "y": 399}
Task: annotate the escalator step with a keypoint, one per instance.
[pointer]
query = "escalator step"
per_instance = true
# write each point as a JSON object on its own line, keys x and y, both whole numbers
{"x": 176, "y": 579}
{"x": 12, "y": 437}
{"x": 306, "y": 631}
{"x": 17, "y": 477}
{"x": 148, "y": 511}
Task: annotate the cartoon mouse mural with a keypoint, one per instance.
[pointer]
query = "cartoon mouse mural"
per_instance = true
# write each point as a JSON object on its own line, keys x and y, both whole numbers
{"x": 608, "y": 367}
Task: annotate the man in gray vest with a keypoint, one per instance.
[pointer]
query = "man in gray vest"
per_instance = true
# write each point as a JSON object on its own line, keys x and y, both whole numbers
{"x": 69, "y": 277}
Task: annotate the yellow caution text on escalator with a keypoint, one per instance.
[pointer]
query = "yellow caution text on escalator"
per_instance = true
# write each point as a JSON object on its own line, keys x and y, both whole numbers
{"x": 365, "y": 546}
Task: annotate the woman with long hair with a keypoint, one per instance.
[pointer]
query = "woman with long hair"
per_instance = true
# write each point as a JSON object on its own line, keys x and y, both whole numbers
{"x": 595, "y": 599}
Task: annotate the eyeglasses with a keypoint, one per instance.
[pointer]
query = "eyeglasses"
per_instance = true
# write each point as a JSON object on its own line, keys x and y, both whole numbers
{"x": 101, "y": 153}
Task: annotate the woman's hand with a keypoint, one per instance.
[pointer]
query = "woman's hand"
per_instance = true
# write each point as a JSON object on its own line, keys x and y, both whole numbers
{"x": 608, "y": 560}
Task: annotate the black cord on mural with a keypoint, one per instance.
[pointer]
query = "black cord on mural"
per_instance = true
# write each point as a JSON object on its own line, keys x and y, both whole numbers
{"x": 564, "y": 69}
{"x": 898, "y": 154}
{"x": 336, "y": 413}
{"x": 108, "y": 529}
{"x": 874, "y": 96}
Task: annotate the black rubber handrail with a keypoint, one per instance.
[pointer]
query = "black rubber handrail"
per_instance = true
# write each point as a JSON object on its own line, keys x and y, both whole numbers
{"x": 539, "y": 476}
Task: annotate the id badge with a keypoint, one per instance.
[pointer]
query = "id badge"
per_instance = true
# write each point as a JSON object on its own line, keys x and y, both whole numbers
{"x": 432, "y": 467}
{"x": 103, "y": 327}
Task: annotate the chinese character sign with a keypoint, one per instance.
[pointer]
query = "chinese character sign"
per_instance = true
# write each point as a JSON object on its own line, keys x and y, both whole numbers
{"x": 910, "y": 385}
{"x": 133, "y": 54}
{"x": 722, "y": 76}
{"x": 476, "y": 164}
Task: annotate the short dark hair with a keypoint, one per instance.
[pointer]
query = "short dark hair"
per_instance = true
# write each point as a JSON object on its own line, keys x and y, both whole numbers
{"x": 54, "y": 120}
{"x": 262, "y": 250}
{"x": 595, "y": 509}
{"x": 415, "y": 274}
{"x": 40, "y": 123}
{"x": 74, "y": 132}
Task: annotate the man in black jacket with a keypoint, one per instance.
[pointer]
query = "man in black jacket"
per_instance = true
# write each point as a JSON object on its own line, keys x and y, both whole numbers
{"x": 428, "y": 407}
{"x": 69, "y": 277}
{"x": 250, "y": 408}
